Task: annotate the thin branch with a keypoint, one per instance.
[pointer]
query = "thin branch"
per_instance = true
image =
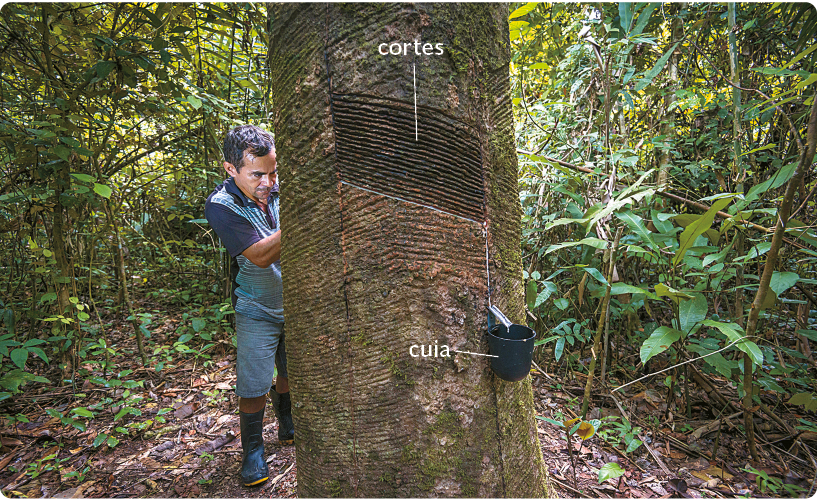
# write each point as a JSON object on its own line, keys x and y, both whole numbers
{"x": 805, "y": 200}
{"x": 794, "y": 130}
{"x": 682, "y": 363}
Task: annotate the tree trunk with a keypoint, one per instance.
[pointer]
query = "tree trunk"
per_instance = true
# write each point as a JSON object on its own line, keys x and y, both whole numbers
{"x": 734, "y": 71}
{"x": 668, "y": 121}
{"x": 66, "y": 271}
{"x": 383, "y": 249}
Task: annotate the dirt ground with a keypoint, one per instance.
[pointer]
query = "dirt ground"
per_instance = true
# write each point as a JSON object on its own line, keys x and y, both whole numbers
{"x": 179, "y": 440}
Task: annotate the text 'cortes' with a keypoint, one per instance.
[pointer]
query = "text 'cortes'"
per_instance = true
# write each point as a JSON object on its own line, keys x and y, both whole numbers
{"x": 405, "y": 48}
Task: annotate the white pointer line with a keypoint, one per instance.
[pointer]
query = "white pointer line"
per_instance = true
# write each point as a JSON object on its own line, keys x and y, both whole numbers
{"x": 414, "y": 82}
{"x": 480, "y": 354}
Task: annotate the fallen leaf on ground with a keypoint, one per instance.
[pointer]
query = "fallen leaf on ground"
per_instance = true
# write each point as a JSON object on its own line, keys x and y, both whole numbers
{"x": 215, "y": 444}
{"x": 74, "y": 492}
{"x": 10, "y": 442}
{"x": 186, "y": 410}
{"x": 163, "y": 446}
{"x": 656, "y": 488}
{"x": 711, "y": 472}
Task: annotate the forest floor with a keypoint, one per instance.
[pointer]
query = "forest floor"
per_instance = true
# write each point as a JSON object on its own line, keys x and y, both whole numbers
{"x": 183, "y": 436}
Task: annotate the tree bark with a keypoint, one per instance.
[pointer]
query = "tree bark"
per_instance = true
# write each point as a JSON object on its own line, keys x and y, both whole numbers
{"x": 668, "y": 120}
{"x": 383, "y": 249}
{"x": 805, "y": 162}
{"x": 66, "y": 271}
{"x": 734, "y": 71}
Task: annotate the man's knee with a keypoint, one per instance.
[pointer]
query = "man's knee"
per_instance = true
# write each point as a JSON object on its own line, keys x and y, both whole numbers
{"x": 252, "y": 405}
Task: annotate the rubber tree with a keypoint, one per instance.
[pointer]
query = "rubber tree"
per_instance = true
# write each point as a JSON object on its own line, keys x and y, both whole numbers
{"x": 385, "y": 221}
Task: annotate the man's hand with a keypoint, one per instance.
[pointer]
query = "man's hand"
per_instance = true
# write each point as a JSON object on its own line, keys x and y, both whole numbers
{"x": 265, "y": 252}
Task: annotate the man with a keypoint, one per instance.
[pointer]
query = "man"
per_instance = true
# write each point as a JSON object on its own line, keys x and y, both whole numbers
{"x": 243, "y": 211}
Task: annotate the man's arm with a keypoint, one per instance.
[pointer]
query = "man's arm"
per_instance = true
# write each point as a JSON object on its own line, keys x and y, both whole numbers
{"x": 265, "y": 251}
{"x": 240, "y": 237}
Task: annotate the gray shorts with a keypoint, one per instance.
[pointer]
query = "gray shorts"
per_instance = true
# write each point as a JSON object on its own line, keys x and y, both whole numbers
{"x": 260, "y": 349}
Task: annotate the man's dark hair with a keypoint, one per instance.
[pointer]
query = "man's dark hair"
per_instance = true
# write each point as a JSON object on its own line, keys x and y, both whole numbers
{"x": 246, "y": 138}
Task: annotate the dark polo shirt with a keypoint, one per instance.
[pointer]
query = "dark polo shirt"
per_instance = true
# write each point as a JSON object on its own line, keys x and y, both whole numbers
{"x": 239, "y": 223}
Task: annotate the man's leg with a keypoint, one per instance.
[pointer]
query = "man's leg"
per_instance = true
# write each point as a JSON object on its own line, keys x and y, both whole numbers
{"x": 282, "y": 383}
{"x": 252, "y": 405}
{"x": 281, "y": 403}
{"x": 255, "y": 365}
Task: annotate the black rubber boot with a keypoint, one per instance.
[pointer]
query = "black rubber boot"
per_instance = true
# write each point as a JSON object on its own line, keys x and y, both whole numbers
{"x": 282, "y": 406}
{"x": 253, "y": 467}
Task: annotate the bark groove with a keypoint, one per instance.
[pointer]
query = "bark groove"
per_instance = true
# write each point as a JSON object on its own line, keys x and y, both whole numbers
{"x": 378, "y": 149}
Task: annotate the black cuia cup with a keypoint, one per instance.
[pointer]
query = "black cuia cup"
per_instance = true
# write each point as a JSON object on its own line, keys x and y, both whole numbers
{"x": 512, "y": 349}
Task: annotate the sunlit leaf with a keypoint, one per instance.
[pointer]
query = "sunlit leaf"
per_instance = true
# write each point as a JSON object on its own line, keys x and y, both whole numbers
{"x": 82, "y": 411}
{"x": 659, "y": 65}
{"x": 194, "y": 101}
{"x": 594, "y": 242}
{"x": 696, "y": 229}
{"x": 692, "y": 311}
{"x": 734, "y": 332}
{"x": 102, "y": 190}
{"x": 610, "y": 470}
{"x": 586, "y": 430}
{"x": 658, "y": 342}
{"x": 667, "y": 291}
{"x": 622, "y": 288}
{"x": 551, "y": 421}
{"x": 782, "y": 281}
{"x": 525, "y": 9}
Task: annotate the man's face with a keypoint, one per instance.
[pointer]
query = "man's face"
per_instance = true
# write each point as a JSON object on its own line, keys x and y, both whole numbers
{"x": 256, "y": 177}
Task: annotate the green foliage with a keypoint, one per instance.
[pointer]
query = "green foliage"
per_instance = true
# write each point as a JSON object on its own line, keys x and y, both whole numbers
{"x": 110, "y": 138}
{"x": 620, "y": 433}
{"x": 806, "y": 399}
{"x": 15, "y": 378}
{"x": 610, "y": 470}
{"x": 659, "y": 341}
{"x": 609, "y": 90}
{"x": 768, "y": 483}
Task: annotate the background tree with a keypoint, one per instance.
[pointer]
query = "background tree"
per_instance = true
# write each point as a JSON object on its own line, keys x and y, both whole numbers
{"x": 111, "y": 122}
{"x": 383, "y": 248}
